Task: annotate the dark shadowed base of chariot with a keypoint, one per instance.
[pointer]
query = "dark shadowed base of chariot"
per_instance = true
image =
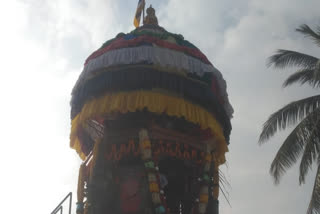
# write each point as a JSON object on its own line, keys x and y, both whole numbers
{"x": 126, "y": 181}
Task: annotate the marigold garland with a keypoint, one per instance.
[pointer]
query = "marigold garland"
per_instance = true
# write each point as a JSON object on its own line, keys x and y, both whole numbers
{"x": 80, "y": 193}
{"x": 152, "y": 173}
{"x": 204, "y": 190}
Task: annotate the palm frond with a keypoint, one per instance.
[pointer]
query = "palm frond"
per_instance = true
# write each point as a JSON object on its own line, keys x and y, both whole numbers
{"x": 317, "y": 71}
{"x": 314, "y": 204}
{"x": 308, "y": 32}
{"x": 288, "y": 115}
{"x": 303, "y": 76}
{"x": 289, "y": 152}
{"x": 287, "y": 58}
{"x": 311, "y": 150}
{"x": 310, "y": 154}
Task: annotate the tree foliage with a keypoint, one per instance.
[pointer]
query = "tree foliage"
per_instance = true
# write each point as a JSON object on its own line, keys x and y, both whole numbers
{"x": 304, "y": 140}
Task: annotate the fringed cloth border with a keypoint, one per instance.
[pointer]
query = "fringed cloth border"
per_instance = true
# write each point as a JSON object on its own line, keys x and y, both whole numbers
{"x": 133, "y": 41}
{"x": 157, "y": 56}
{"x": 147, "y": 79}
{"x": 154, "y": 102}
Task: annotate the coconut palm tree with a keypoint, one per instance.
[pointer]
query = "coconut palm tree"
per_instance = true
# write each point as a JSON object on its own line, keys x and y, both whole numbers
{"x": 304, "y": 141}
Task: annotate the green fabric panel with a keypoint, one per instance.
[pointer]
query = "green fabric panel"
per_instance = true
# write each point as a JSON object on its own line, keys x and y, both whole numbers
{"x": 165, "y": 35}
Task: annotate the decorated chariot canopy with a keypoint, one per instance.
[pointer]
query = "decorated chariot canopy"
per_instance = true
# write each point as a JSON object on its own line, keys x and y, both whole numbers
{"x": 155, "y": 71}
{"x": 151, "y": 120}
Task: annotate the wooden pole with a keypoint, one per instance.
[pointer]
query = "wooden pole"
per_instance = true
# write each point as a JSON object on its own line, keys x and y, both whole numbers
{"x": 143, "y": 12}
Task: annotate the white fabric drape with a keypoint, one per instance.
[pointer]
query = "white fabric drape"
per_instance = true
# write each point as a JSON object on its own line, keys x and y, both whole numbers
{"x": 157, "y": 56}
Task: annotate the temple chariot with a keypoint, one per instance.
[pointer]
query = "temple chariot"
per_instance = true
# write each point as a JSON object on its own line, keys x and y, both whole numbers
{"x": 151, "y": 122}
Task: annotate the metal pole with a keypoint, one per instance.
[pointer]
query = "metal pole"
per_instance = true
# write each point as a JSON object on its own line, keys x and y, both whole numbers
{"x": 70, "y": 203}
{"x": 144, "y": 5}
{"x": 59, "y": 205}
{"x": 60, "y": 209}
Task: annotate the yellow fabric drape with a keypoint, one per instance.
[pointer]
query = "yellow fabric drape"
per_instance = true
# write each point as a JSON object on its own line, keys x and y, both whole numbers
{"x": 155, "y": 102}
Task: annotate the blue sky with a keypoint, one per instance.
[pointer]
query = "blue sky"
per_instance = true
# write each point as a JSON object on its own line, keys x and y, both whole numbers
{"x": 43, "y": 47}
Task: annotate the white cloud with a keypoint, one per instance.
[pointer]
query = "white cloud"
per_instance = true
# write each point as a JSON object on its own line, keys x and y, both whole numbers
{"x": 43, "y": 47}
{"x": 42, "y": 50}
{"x": 238, "y": 37}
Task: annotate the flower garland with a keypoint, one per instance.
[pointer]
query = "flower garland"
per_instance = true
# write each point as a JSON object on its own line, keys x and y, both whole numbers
{"x": 206, "y": 181}
{"x": 85, "y": 174}
{"x": 158, "y": 198}
{"x": 80, "y": 192}
{"x": 215, "y": 188}
{"x": 207, "y": 188}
